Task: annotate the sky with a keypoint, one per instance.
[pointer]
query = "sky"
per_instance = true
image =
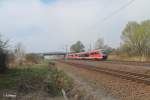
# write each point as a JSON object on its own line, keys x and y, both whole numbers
{"x": 51, "y": 25}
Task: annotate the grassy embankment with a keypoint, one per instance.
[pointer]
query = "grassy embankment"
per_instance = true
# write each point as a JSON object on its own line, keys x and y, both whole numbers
{"x": 30, "y": 79}
{"x": 127, "y": 58}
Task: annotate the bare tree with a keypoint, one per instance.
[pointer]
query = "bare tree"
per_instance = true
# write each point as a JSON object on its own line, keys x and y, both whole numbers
{"x": 3, "y": 55}
{"x": 19, "y": 53}
{"x": 77, "y": 47}
{"x": 101, "y": 45}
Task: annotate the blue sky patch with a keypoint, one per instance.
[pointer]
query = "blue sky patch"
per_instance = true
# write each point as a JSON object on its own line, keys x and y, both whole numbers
{"x": 48, "y": 1}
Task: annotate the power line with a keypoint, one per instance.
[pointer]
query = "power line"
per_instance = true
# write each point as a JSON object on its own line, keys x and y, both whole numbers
{"x": 113, "y": 13}
{"x": 118, "y": 10}
{"x": 96, "y": 25}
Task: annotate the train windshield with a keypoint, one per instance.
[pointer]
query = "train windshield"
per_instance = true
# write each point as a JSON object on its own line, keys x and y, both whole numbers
{"x": 106, "y": 51}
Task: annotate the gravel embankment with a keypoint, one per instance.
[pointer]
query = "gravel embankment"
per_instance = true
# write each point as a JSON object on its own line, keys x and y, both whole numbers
{"x": 118, "y": 66}
{"x": 112, "y": 86}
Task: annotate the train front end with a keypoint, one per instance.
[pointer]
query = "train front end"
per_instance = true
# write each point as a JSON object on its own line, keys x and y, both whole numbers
{"x": 104, "y": 54}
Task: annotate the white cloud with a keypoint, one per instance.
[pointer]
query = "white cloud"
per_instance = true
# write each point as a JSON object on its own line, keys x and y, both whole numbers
{"x": 48, "y": 27}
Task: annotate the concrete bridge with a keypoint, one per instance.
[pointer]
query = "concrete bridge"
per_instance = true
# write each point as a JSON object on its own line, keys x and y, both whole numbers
{"x": 53, "y": 55}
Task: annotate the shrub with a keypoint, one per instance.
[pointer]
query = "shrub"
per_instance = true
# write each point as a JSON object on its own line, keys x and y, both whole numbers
{"x": 30, "y": 79}
{"x": 3, "y": 61}
{"x": 33, "y": 58}
{"x": 56, "y": 81}
{"x": 43, "y": 78}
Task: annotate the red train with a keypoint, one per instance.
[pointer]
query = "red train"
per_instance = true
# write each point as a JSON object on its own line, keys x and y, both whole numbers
{"x": 95, "y": 55}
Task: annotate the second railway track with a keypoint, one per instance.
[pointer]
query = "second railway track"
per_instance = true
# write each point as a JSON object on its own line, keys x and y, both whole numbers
{"x": 136, "y": 77}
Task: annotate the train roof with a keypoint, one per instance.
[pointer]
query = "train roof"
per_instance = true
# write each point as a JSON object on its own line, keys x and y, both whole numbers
{"x": 88, "y": 51}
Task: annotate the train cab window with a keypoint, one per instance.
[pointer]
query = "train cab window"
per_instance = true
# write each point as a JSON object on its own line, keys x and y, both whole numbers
{"x": 104, "y": 52}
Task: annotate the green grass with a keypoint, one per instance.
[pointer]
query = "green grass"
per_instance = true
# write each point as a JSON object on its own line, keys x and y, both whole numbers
{"x": 10, "y": 79}
{"x": 109, "y": 60}
{"x": 129, "y": 58}
{"x": 28, "y": 79}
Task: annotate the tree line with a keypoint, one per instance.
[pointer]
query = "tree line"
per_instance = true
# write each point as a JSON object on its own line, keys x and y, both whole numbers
{"x": 3, "y": 55}
{"x": 136, "y": 39}
{"x": 15, "y": 57}
{"x": 79, "y": 46}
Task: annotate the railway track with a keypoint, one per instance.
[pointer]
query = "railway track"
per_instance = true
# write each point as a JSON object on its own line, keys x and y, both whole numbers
{"x": 145, "y": 64}
{"x": 136, "y": 77}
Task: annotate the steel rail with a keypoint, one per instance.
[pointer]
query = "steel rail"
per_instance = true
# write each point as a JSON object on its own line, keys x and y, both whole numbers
{"x": 141, "y": 78}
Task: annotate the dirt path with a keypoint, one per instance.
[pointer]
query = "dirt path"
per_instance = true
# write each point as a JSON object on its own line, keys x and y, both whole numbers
{"x": 107, "y": 87}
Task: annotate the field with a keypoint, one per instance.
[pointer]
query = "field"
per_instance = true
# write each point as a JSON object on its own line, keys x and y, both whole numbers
{"x": 35, "y": 82}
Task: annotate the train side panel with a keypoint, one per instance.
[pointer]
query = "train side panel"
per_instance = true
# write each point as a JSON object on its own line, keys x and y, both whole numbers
{"x": 93, "y": 55}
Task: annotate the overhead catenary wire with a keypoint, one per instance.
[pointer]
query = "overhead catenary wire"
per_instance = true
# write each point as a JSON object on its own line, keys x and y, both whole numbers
{"x": 118, "y": 10}
{"x": 112, "y": 14}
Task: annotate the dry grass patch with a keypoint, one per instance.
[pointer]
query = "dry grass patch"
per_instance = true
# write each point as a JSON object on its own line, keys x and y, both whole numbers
{"x": 28, "y": 81}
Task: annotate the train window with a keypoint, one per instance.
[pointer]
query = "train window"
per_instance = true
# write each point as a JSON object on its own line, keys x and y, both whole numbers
{"x": 93, "y": 53}
{"x": 84, "y": 55}
{"x": 96, "y": 53}
{"x": 81, "y": 55}
{"x": 76, "y": 55}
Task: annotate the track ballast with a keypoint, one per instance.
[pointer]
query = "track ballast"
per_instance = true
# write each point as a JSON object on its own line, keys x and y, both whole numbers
{"x": 136, "y": 77}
